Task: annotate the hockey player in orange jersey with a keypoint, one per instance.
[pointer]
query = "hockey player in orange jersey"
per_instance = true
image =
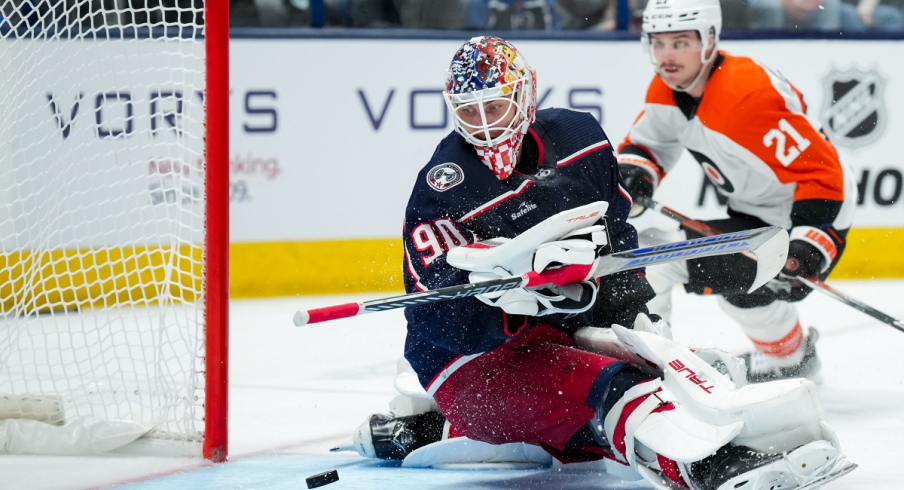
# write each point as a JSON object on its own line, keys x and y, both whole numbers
{"x": 748, "y": 129}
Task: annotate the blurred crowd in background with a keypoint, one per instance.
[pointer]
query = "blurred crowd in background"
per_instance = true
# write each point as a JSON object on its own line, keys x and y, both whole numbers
{"x": 834, "y": 16}
{"x": 599, "y": 15}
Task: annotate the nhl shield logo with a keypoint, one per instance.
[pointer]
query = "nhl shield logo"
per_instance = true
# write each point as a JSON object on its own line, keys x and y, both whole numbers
{"x": 445, "y": 176}
{"x": 854, "y": 112}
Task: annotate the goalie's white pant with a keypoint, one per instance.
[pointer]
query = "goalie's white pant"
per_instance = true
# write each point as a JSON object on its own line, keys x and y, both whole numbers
{"x": 774, "y": 329}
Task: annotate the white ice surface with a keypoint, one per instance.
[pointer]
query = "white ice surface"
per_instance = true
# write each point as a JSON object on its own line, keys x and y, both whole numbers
{"x": 294, "y": 392}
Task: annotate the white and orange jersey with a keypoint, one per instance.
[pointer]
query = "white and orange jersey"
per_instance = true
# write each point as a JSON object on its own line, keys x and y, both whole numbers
{"x": 751, "y": 135}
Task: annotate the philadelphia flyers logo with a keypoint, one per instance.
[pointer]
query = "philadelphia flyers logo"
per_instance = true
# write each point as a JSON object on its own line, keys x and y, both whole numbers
{"x": 713, "y": 173}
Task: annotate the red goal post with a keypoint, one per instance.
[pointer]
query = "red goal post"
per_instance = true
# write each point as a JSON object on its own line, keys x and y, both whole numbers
{"x": 114, "y": 225}
{"x": 217, "y": 229}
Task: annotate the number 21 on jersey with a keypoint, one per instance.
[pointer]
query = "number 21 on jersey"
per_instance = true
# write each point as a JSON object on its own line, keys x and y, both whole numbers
{"x": 779, "y": 137}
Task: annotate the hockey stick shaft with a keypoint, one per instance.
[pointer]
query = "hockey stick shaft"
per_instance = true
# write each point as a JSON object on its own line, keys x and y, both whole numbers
{"x": 721, "y": 244}
{"x": 813, "y": 283}
{"x": 824, "y": 288}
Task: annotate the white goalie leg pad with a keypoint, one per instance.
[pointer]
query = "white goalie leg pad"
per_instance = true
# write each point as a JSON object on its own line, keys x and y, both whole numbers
{"x": 776, "y": 416}
{"x": 461, "y": 452}
{"x": 604, "y": 342}
{"x": 674, "y": 433}
{"x": 779, "y": 415}
{"x": 634, "y": 419}
{"x": 412, "y": 398}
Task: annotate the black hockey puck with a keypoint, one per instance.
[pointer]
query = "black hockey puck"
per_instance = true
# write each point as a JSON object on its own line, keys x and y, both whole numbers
{"x": 321, "y": 479}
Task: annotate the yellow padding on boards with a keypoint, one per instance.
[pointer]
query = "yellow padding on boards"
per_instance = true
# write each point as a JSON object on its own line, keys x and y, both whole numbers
{"x": 65, "y": 279}
{"x": 317, "y": 267}
{"x": 375, "y": 265}
{"x": 872, "y": 253}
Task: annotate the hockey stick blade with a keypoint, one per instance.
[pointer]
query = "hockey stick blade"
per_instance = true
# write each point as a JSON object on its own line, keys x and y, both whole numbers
{"x": 766, "y": 242}
{"x": 813, "y": 283}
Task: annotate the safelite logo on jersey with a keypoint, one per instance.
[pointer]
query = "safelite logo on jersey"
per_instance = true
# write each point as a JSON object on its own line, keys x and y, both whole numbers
{"x": 523, "y": 208}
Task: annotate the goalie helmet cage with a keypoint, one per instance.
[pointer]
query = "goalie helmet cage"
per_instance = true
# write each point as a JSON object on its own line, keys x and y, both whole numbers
{"x": 114, "y": 198}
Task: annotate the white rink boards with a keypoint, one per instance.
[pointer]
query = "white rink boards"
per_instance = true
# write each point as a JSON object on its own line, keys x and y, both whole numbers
{"x": 328, "y": 136}
{"x": 345, "y": 124}
{"x": 366, "y": 114}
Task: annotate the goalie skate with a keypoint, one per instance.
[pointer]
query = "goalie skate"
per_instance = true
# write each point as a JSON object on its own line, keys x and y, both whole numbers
{"x": 388, "y": 437}
{"x": 841, "y": 468}
{"x": 739, "y": 468}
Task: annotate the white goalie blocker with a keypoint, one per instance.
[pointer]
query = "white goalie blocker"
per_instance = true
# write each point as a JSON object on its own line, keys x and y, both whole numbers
{"x": 36, "y": 424}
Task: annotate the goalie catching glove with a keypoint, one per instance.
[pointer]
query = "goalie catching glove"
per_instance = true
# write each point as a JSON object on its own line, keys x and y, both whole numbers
{"x": 581, "y": 246}
{"x": 548, "y": 300}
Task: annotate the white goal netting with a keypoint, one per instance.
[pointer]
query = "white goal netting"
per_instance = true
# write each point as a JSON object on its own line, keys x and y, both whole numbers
{"x": 102, "y": 212}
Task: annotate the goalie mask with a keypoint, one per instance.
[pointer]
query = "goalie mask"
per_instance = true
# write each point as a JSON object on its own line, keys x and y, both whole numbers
{"x": 703, "y": 16}
{"x": 491, "y": 92}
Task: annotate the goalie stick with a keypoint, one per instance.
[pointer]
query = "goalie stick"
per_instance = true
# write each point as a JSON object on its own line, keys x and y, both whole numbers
{"x": 768, "y": 244}
{"x": 811, "y": 282}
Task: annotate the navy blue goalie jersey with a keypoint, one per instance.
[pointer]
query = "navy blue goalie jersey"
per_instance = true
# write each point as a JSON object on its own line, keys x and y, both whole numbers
{"x": 566, "y": 162}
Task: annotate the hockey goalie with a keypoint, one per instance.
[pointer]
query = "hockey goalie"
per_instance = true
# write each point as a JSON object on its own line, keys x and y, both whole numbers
{"x": 531, "y": 374}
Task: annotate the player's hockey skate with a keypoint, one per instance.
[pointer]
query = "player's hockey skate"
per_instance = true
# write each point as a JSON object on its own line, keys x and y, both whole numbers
{"x": 387, "y": 437}
{"x": 760, "y": 368}
{"x": 741, "y": 468}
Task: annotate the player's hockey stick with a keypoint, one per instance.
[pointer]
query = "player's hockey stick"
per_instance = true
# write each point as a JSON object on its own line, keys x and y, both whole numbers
{"x": 768, "y": 244}
{"x": 813, "y": 283}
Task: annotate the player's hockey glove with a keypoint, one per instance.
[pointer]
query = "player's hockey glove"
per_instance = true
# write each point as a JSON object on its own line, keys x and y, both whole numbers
{"x": 581, "y": 246}
{"x": 639, "y": 182}
{"x": 810, "y": 253}
{"x": 806, "y": 257}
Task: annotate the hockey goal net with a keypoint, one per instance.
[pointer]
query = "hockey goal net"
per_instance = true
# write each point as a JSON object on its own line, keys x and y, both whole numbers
{"x": 113, "y": 224}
